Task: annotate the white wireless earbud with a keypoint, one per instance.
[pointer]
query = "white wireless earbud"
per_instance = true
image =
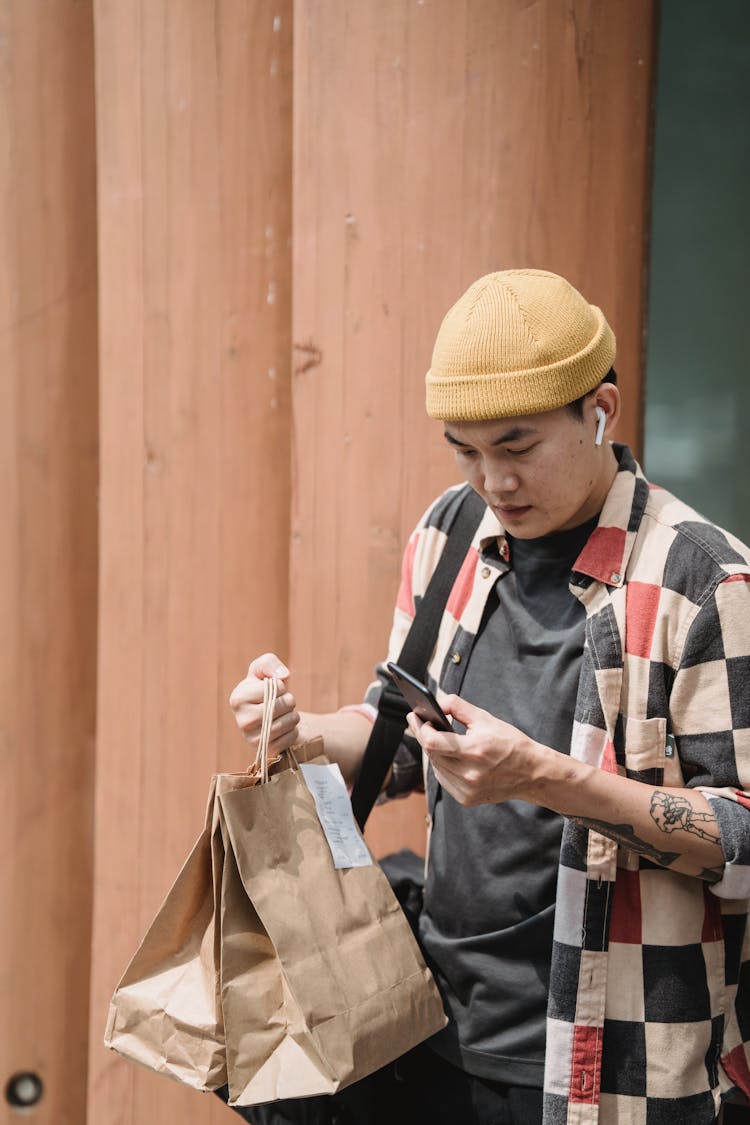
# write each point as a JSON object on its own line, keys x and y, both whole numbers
{"x": 600, "y": 427}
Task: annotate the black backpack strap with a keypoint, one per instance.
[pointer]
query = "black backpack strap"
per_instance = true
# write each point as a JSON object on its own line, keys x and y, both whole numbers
{"x": 390, "y": 723}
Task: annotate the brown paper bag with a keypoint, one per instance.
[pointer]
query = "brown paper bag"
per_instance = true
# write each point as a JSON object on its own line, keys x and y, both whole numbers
{"x": 267, "y": 968}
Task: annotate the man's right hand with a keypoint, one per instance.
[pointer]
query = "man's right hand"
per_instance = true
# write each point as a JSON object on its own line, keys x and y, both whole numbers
{"x": 246, "y": 702}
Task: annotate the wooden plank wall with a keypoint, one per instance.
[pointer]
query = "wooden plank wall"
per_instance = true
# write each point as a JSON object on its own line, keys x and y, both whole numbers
{"x": 434, "y": 142}
{"x": 264, "y": 451}
{"x": 48, "y": 467}
{"x": 194, "y": 154}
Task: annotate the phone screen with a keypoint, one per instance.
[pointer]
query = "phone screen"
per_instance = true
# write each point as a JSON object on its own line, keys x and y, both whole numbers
{"x": 423, "y": 702}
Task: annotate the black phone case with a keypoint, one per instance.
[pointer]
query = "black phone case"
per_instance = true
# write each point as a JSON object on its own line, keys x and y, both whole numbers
{"x": 423, "y": 702}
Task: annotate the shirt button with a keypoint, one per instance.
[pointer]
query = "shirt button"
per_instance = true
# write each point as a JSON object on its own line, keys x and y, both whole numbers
{"x": 615, "y": 576}
{"x": 486, "y": 572}
{"x": 456, "y": 657}
{"x": 505, "y": 553}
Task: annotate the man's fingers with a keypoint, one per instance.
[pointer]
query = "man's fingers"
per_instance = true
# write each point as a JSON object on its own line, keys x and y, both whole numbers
{"x": 282, "y": 726}
{"x": 458, "y": 708}
{"x": 249, "y": 713}
{"x": 268, "y": 665}
{"x": 452, "y": 783}
{"x": 433, "y": 741}
{"x": 249, "y": 692}
{"x": 287, "y": 722}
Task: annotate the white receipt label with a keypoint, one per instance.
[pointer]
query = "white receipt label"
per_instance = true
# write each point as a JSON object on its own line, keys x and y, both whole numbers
{"x": 335, "y": 813}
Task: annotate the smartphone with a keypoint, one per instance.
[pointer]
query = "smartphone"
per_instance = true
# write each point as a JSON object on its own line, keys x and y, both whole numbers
{"x": 423, "y": 702}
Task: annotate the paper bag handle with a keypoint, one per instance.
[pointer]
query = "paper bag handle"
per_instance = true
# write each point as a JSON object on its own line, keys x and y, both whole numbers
{"x": 270, "y": 691}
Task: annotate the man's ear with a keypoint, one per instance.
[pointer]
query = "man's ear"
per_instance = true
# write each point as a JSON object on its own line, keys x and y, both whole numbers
{"x": 603, "y": 410}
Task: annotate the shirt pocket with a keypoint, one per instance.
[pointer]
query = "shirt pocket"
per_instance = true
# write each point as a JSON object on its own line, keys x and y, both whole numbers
{"x": 646, "y": 749}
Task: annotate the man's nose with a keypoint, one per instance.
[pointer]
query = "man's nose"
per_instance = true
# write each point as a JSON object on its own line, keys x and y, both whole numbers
{"x": 499, "y": 481}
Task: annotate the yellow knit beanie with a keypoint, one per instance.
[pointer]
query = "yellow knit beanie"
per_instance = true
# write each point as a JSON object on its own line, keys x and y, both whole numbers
{"x": 517, "y": 342}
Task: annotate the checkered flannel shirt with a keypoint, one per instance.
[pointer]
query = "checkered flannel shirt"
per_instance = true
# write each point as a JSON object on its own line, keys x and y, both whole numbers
{"x": 644, "y": 1022}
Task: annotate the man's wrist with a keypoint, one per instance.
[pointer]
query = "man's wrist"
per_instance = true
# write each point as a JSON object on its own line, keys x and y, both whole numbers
{"x": 557, "y": 780}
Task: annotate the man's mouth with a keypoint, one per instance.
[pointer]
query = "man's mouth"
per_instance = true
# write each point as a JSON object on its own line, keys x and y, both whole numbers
{"x": 512, "y": 511}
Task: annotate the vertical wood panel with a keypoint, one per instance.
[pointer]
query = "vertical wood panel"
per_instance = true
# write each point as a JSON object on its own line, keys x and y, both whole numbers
{"x": 436, "y": 141}
{"x": 48, "y": 420}
{"x": 194, "y": 132}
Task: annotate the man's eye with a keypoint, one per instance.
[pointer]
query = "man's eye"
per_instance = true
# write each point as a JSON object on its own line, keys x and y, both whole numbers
{"x": 467, "y": 452}
{"x": 520, "y": 452}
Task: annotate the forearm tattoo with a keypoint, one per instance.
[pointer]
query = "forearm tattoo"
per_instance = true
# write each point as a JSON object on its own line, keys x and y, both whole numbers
{"x": 670, "y": 813}
{"x": 624, "y": 835}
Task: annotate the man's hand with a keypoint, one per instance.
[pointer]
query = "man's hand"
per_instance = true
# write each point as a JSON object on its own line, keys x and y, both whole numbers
{"x": 492, "y": 762}
{"x": 247, "y": 703}
{"x": 344, "y": 732}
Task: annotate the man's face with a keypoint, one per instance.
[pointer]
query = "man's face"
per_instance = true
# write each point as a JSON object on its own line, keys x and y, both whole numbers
{"x": 540, "y": 474}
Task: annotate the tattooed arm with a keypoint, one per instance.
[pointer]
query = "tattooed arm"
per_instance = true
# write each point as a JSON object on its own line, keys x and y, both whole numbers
{"x": 678, "y": 814}
{"x": 494, "y": 762}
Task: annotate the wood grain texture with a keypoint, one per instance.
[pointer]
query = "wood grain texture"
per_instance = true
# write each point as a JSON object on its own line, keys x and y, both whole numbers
{"x": 259, "y": 470}
{"x": 433, "y": 142}
{"x": 194, "y": 133}
{"x": 48, "y": 436}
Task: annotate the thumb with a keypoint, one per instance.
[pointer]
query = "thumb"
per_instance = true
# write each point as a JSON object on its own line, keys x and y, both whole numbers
{"x": 461, "y": 709}
{"x": 267, "y": 665}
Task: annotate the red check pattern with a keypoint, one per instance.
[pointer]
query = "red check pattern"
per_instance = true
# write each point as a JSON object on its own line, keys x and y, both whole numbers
{"x": 647, "y": 1021}
{"x": 642, "y": 612}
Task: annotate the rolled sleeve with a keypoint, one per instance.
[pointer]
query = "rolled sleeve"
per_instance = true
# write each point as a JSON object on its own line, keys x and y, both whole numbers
{"x": 734, "y": 826}
{"x": 710, "y": 713}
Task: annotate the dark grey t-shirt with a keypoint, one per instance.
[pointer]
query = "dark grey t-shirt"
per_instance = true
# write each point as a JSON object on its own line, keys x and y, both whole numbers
{"x": 487, "y": 924}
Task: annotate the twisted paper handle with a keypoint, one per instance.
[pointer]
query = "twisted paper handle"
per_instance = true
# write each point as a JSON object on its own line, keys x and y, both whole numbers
{"x": 270, "y": 691}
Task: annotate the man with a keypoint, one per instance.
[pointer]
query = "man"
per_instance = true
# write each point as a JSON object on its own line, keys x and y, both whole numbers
{"x": 589, "y": 862}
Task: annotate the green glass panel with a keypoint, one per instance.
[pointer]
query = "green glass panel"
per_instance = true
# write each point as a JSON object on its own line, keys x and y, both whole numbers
{"x": 698, "y": 358}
